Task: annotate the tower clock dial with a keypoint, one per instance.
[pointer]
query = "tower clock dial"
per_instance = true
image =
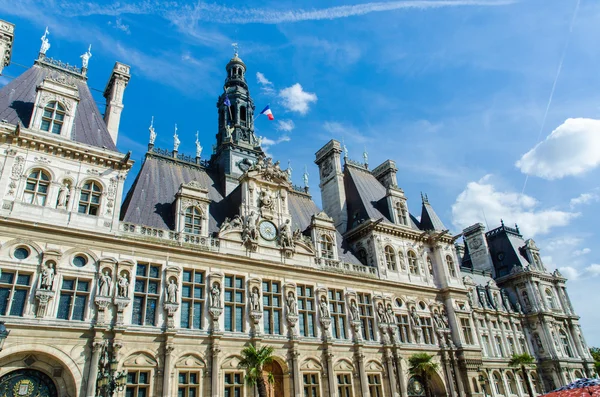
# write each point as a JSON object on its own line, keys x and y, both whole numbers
{"x": 267, "y": 230}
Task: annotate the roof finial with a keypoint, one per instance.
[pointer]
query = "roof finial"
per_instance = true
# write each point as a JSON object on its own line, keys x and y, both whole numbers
{"x": 152, "y": 132}
{"x": 502, "y": 222}
{"x": 198, "y": 147}
{"x": 45, "y": 43}
{"x": 517, "y": 227}
{"x": 176, "y": 140}
{"x": 366, "y": 157}
{"x": 345, "y": 150}
{"x": 289, "y": 170}
{"x": 305, "y": 177}
{"x": 85, "y": 58}
{"x": 235, "y": 49}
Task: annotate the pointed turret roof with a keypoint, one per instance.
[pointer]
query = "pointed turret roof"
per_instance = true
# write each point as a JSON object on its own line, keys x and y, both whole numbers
{"x": 429, "y": 219}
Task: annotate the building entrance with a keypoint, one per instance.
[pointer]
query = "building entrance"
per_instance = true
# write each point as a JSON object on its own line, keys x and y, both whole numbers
{"x": 27, "y": 383}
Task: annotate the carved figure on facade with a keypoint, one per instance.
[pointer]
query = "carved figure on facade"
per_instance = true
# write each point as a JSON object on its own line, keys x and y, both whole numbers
{"x": 123, "y": 286}
{"x": 152, "y": 132}
{"x": 391, "y": 318}
{"x": 64, "y": 194}
{"x": 415, "y": 322}
{"x": 47, "y": 276}
{"x": 255, "y": 300}
{"x": 439, "y": 322}
{"x": 250, "y": 232}
{"x": 265, "y": 200}
{"x": 215, "y": 296}
{"x": 85, "y": 58}
{"x": 354, "y": 312}
{"x": 172, "y": 290}
{"x": 286, "y": 239}
{"x": 269, "y": 170}
{"x": 538, "y": 342}
{"x": 324, "y": 307}
{"x": 45, "y": 43}
{"x": 176, "y": 141}
{"x": 292, "y": 305}
{"x": 381, "y": 314}
{"x": 198, "y": 147}
{"x": 230, "y": 224}
{"x": 105, "y": 283}
{"x": 506, "y": 301}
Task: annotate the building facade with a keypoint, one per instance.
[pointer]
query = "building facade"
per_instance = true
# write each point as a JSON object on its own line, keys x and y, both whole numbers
{"x": 155, "y": 291}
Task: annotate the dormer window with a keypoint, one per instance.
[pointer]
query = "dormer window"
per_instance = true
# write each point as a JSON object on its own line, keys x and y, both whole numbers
{"x": 89, "y": 201}
{"x": 326, "y": 247}
{"x": 193, "y": 220}
{"x": 36, "y": 188}
{"x": 53, "y": 117}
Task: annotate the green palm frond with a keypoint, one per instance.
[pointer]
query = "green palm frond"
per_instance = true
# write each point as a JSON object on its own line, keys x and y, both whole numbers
{"x": 518, "y": 360}
{"x": 422, "y": 365}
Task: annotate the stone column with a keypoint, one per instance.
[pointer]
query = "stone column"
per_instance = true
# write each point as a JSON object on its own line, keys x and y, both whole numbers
{"x": 400, "y": 372}
{"x": 491, "y": 383}
{"x": 330, "y": 371}
{"x": 578, "y": 351}
{"x": 296, "y": 370}
{"x": 389, "y": 361}
{"x": 167, "y": 368}
{"x": 364, "y": 384}
{"x": 93, "y": 373}
{"x": 448, "y": 373}
{"x": 214, "y": 367}
{"x": 458, "y": 375}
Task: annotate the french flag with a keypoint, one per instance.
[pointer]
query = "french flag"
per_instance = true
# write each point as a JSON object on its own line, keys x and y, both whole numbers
{"x": 267, "y": 112}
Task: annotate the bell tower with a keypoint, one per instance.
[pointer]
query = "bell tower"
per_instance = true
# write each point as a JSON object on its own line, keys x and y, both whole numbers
{"x": 237, "y": 147}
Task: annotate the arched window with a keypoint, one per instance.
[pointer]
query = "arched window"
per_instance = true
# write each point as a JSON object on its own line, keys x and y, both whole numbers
{"x": 512, "y": 385}
{"x": 450, "y": 264}
{"x": 326, "y": 247}
{"x": 565, "y": 341}
{"x": 522, "y": 382}
{"x": 535, "y": 383}
{"x": 550, "y": 299}
{"x": 498, "y": 386}
{"x": 53, "y": 117}
{"x": 243, "y": 115}
{"x": 193, "y": 220}
{"x": 401, "y": 213}
{"x": 89, "y": 200}
{"x": 390, "y": 258}
{"x": 362, "y": 256}
{"x": 413, "y": 267}
{"x": 578, "y": 374}
{"x": 36, "y": 187}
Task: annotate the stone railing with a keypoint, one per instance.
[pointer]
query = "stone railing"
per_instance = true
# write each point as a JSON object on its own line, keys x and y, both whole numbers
{"x": 169, "y": 236}
{"x": 348, "y": 268}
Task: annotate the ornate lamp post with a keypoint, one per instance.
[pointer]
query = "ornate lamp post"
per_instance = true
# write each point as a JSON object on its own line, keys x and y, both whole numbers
{"x": 3, "y": 334}
{"x": 483, "y": 381}
{"x": 109, "y": 379}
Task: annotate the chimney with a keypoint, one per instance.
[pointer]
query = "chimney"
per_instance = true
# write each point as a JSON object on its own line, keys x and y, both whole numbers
{"x": 7, "y": 34}
{"x": 114, "y": 98}
{"x": 386, "y": 173}
{"x": 333, "y": 193}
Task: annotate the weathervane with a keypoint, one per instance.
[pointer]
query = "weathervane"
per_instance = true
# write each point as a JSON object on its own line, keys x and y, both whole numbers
{"x": 45, "y": 43}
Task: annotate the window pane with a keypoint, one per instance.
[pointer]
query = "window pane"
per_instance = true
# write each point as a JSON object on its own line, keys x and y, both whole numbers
{"x": 79, "y": 309}
{"x": 228, "y": 319}
{"x": 7, "y": 278}
{"x": 68, "y": 284}
{"x": 185, "y": 316}
{"x": 151, "y": 312}
{"x": 4, "y": 294}
{"x": 23, "y": 279}
{"x": 64, "y": 304}
{"x": 198, "y": 315}
{"x": 239, "y": 326}
{"x": 138, "y": 304}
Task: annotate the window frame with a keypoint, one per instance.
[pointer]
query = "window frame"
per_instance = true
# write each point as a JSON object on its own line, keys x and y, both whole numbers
{"x": 337, "y": 309}
{"x": 413, "y": 265}
{"x": 145, "y": 296}
{"x": 31, "y": 196}
{"x": 313, "y": 386}
{"x": 271, "y": 310}
{"x": 307, "y": 311}
{"x": 89, "y": 206}
{"x": 187, "y": 386}
{"x": 192, "y": 300}
{"x": 390, "y": 257}
{"x": 72, "y": 295}
{"x": 196, "y": 216}
{"x": 375, "y": 385}
{"x": 451, "y": 267}
{"x": 465, "y": 324}
{"x": 137, "y": 386}
{"x": 13, "y": 286}
{"x": 52, "y": 121}
{"x": 344, "y": 389}
{"x": 366, "y": 315}
{"x": 234, "y": 305}
{"x": 326, "y": 247}
{"x": 229, "y": 389}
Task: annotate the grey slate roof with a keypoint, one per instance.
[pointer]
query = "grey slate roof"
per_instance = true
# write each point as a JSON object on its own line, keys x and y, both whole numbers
{"x": 365, "y": 195}
{"x": 429, "y": 219}
{"x": 510, "y": 243}
{"x": 17, "y": 101}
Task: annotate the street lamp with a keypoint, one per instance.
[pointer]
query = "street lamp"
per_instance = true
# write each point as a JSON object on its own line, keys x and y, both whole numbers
{"x": 109, "y": 379}
{"x": 3, "y": 334}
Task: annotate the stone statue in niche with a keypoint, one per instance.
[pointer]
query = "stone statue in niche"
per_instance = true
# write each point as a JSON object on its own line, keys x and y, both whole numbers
{"x": 250, "y": 232}
{"x": 215, "y": 296}
{"x": 415, "y": 319}
{"x": 438, "y": 320}
{"x": 354, "y": 313}
{"x": 390, "y": 314}
{"x": 123, "y": 286}
{"x": 265, "y": 201}
{"x": 172, "y": 290}
{"x": 292, "y": 305}
{"x": 47, "y": 276}
{"x": 445, "y": 319}
{"x": 381, "y": 314}
{"x": 538, "y": 342}
{"x": 285, "y": 235}
{"x": 105, "y": 283}
{"x": 324, "y": 307}
{"x": 64, "y": 193}
{"x": 255, "y": 300}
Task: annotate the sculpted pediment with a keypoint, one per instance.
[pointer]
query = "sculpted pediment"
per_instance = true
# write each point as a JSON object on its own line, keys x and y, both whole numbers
{"x": 190, "y": 360}
{"x": 374, "y": 366}
{"x": 311, "y": 364}
{"x": 267, "y": 170}
{"x": 141, "y": 359}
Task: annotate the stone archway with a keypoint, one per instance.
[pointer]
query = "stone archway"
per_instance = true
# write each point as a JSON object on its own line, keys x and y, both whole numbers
{"x": 276, "y": 389}
{"x": 26, "y": 383}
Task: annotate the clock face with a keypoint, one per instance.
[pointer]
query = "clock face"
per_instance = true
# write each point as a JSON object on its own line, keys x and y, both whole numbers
{"x": 267, "y": 230}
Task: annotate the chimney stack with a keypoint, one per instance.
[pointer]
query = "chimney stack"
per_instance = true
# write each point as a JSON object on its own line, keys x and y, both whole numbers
{"x": 7, "y": 34}
{"x": 386, "y": 173}
{"x": 114, "y": 98}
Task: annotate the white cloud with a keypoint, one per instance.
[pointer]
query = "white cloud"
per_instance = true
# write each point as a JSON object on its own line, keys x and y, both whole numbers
{"x": 295, "y": 99}
{"x": 266, "y": 142}
{"x": 585, "y": 198}
{"x": 571, "y": 149}
{"x": 344, "y": 132}
{"x": 118, "y": 24}
{"x": 482, "y": 197}
{"x": 561, "y": 243}
{"x": 581, "y": 252}
{"x": 593, "y": 270}
{"x": 285, "y": 125}
{"x": 569, "y": 272}
{"x": 265, "y": 85}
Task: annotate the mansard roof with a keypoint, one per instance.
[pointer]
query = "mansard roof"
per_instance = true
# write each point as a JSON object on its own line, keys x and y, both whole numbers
{"x": 508, "y": 242}
{"x": 366, "y": 196}
{"x": 429, "y": 219}
{"x": 17, "y": 101}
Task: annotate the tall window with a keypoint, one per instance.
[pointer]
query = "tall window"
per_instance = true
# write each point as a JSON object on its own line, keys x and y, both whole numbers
{"x": 499, "y": 346}
{"x": 522, "y": 382}
{"x": 337, "y": 307}
{"x": 146, "y": 294}
{"x": 272, "y": 307}
{"x": 344, "y": 382}
{"x": 193, "y": 220}
{"x": 466, "y": 329}
{"x": 486, "y": 345}
{"x": 401, "y": 214}
{"x": 565, "y": 341}
{"x": 512, "y": 386}
{"x": 311, "y": 384}
{"x": 188, "y": 384}
{"x": 550, "y": 299}
{"x": 192, "y": 298}
{"x": 523, "y": 345}
{"x": 427, "y": 327}
{"x": 138, "y": 384}
{"x": 14, "y": 288}
{"x": 365, "y": 307}
{"x": 390, "y": 258}
{"x": 450, "y": 264}
{"x": 243, "y": 116}
{"x": 306, "y": 310}
{"x": 511, "y": 345}
{"x": 36, "y": 188}
{"x": 53, "y": 117}
{"x": 403, "y": 328}
{"x": 74, "y": 296}
{"x": 234, "y": 384}
{"x": 498, "y": 384}
{"x": 89, "y": 201}
{"x": 235, "y": 303}
{"x": 326, "y": 247}
{"x": 374, "y": 381}
{"x": 413, "y": 267}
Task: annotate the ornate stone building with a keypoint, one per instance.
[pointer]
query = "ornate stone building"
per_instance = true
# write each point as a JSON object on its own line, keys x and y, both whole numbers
{"x": 157, "y": 296}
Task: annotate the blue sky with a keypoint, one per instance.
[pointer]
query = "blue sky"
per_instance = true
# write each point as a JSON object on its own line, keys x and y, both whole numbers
{"x": 457, "y": 92}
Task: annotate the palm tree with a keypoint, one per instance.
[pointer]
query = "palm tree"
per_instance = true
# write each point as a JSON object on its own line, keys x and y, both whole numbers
{"x": 522, "y": 361}
{"x": 254, "y": 360}
{"x": 422, "y": 366}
